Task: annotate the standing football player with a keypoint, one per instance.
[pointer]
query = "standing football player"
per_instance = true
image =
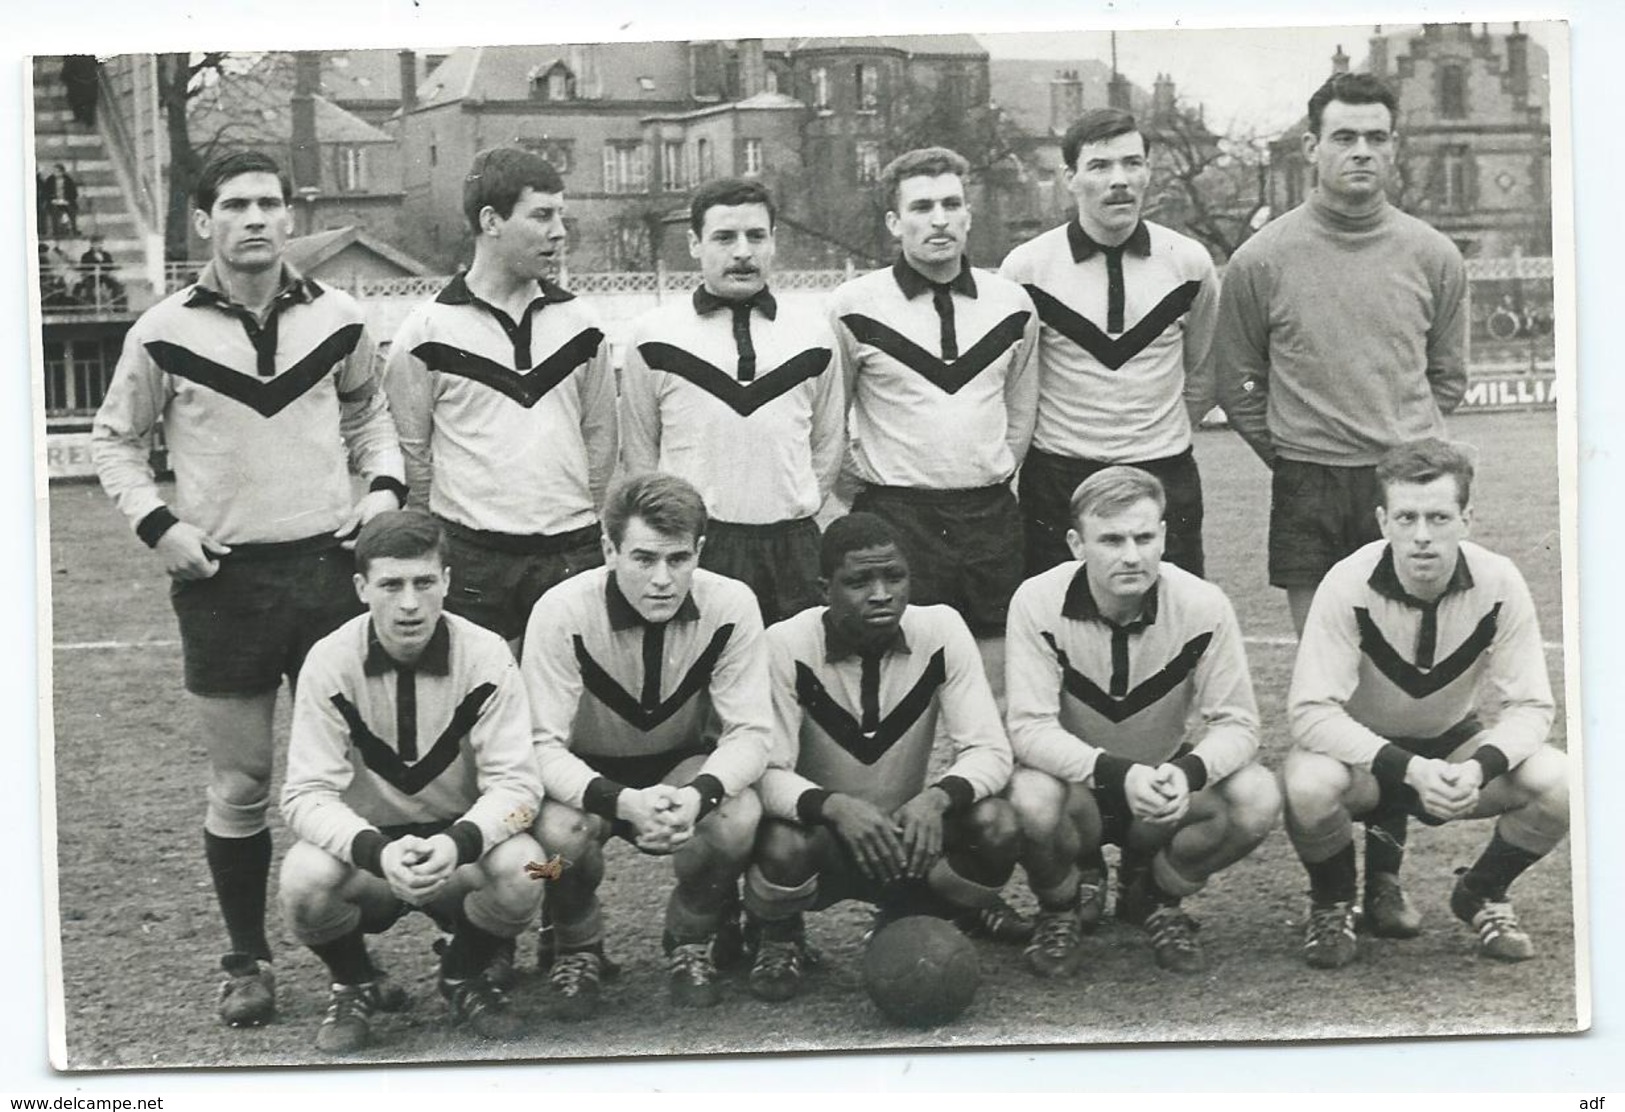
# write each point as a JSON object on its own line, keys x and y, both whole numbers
{"x": 412, "y": 784}
{"x": 505, "y": 401}
{"x": 1127, "y": 309}
{"x": 1133, "y": 723}
{"x": 742, "y": 395}
{"x": 863, "y": 688}
{"x": 1420, "y": 687}
{"x": 648, "y": 689}
{"x": 1340, "y": 336}
{"x": 264, "y": 383}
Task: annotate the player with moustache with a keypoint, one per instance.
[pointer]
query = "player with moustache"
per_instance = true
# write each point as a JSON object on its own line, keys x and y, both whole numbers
{"x": 264, "y": 385}
{"x": 943, "y": 393}
{"x": 1339, "y": 337}
{"x": 742, "y": 395}
{"x": 1421, "y": 687}
{"x": 1133, "y": 723}
{"x": 412, "y": 785}
{"x": 651, "y": 718}
{"x": 505, "y": 400}
{"x": 1128, "y": 309}
{"x": 864, "y": 688}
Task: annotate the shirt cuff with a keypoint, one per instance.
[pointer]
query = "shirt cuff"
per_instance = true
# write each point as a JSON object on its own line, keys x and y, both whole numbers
{"x": 601, "y": 796}
{"x": 959, "y": 791}
{"x": 810, "y": 806}
{"x": 1194, "y": 768}
{"x": 711, "y": 793}
{"x": 1110, "y": 773}
{"x": 367, "y": 851}
{"x": 469, "y": 841}
{"x": 391, "y": 484}
{"x": 1390, "y": 763}
{"x": 1491, "y": 760}
{"x": 152, "y": 527}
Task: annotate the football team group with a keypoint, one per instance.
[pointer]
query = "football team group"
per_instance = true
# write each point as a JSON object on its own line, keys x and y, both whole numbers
{"x": 573, "y": 605}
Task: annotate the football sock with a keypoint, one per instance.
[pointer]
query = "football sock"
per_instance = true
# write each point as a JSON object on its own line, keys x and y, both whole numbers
{"x": 241, "y": 868}
{"x": 346, "y": 958}
{"x": 1332, "y": 880}
{"x": 470, "y": 951}
{"x": 1497, "y": 867}
{"x": 1385, "y": 843}
{"x": 1093, "y": 863}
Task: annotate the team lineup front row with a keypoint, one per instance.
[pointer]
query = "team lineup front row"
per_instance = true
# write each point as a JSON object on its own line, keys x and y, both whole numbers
{"x": 800, "y": 758}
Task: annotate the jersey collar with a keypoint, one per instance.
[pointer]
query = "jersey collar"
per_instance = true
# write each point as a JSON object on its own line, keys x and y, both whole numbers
{"x": 436, "y": 658}
{"x": 913, "y": 283}
{"x": 456, "y": 292}
{"x": 838, "y": 646}
{"x": 1080, "y": 604}
{"x": 623, "y": 615}
{"x": 762, "y": 300}
{"x": 295, "y": 289}
{"x": 1084, "y": 247}
{"x": 1385, "y": 580}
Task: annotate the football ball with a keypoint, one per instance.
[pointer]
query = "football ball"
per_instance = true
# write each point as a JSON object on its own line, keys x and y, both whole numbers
{"x": 920, "y": 971}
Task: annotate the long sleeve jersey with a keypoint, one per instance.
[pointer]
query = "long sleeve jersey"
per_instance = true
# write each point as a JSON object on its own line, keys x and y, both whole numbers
{"x": 865, "y": 725}
{"x": 942, "y": 386}
{"x": 506, "y": 426}
{"x": 761, "y": 440}
{"x": 1088, "y": 697}
{"x": 258, "y": 417}
{"x": 605, "y": 683}
{"x": 1379, "y": 670}
{"x": 376, "y": 744}
{"x": 1339, "y": 337}
{"x": 1122, "y": 352}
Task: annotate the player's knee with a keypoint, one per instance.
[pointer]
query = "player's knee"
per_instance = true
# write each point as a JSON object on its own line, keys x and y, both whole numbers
{"x": 310, "y": 880}
{"x": 509, "y": 884}
{"x": 1037, "y": 800}
{"x": 1544, "y": 778}
{"x": 566, "y": 831}
{"x": 1254, "y": 800}
{"x": 992, "y": 829}
{"x": 784, "y": 852}
{"x": 730, "y": 831}
{"x": 1314, "y": 786}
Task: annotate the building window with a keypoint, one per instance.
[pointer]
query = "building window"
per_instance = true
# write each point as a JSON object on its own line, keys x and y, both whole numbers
{"x": 624, "y": 168}
{"x": 752, "y": 157}
{"x": 820, "y": 85}
{"x": 770, "y": 81}
{"x": 704, "y": 162}
{"x": 1453, "y": 93}
{"x": 558, "y": 152}
{"x": 868, "y": 85}
{"x": 629, "y": 244}
{"x": 77, "y": 373}
{"x": 868, "y": 163}
{"x": 672, "y": 159}
{"x": 352, "y": 169}
{"x": 1454, "y": 171}
{"x": 556, "y": 84}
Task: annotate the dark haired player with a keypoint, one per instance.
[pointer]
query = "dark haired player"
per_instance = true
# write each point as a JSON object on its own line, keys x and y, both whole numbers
{"x": 1133, "y": 723}
{"x": 863, "y": 689}
{"x": 1408, "y": 643}
{"x": 411, "y": 784}
{"x": 264, "y": 383}
{"x": 505, "y": 401}
{"x": 1127, "y": 307}
{"x": 648, "y": 688}
{"x": 1339, "y": 336}
{"x": 742, "y": 395}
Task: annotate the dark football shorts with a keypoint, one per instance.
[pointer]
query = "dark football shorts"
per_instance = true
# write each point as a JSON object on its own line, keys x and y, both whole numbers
{"x": 840, "y": 878}
{"x": 779, "y": 562}
{"x": 1047, "y": 485}
{"x": 496, "y": 578}
{"x": 963, "y": 547}
{"x": 1318, "y": 515}
{"x": 253, "y": 621}
{"x": 1395, "y": 799}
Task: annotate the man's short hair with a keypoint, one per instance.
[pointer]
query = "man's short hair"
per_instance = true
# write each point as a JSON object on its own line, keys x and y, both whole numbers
{"x": 1351, "y": 88}
{"x": 1422, "y": 461}
{"x": 498, "y": 175}
{"x": 852, "y": 533}
{"x": 223, "y": 167}
{"x": 728, "y": 191}
{"x": 1114, "y": 489}
{"x": 668, "y": 505}
{"x": 926, "y": 162}
{"x": 400, "y": 535}
{"x": 1096, "y": 126}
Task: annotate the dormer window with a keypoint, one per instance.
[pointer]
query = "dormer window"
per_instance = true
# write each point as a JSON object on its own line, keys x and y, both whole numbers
{"x": 553, "y": 82}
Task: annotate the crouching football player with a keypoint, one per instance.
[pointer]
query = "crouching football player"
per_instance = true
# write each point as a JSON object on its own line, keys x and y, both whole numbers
{"x": 1402, "y": 638}
{"x": 862, "y": 689}
{"x": 1132, "y": 718}
{"x": 412, "y": 784}
{"x": 648, "y": 689}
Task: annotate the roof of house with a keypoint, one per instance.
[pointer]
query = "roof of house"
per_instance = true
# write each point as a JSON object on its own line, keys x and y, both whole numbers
{"x": 939, "y": 45}
{"x": 1021, "y": 88}
{"x": 307, "y": 253}
{"x": 256, "y": 106}
{"x": 654, "y": 71}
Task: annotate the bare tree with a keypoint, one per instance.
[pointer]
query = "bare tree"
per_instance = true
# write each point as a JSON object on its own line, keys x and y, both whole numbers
{"x": 1212, "y": 187}
{"x": 180, "y": 76}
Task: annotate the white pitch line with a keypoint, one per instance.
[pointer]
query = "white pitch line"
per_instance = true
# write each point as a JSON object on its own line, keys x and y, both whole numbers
{"x": 79, "y": 646}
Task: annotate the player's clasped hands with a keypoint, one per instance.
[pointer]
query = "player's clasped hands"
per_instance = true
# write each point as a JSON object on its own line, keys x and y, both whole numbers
{"x": 417, "y": 868}
{"x": 190, "y": 553}
{"x": 1447, "y": 791}
{"x": 662, "y": 815}
{"x": 1157, "y": 794}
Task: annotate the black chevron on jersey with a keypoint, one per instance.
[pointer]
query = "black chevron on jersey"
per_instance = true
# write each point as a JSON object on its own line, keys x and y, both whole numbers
{"x": 846, "y": 731}
{"x": 1114, "y": 353}
{"x": 267, "y": 397}
{"x": 606, "y": 690}
{"x": 744, "y": 398}
{"x": 525, "y": 387}
{"x": 950, "y": 375}
{"x": 1139, "y": 697}
{"x": 1410, "y": 679}
{"x": 414, "y": 777}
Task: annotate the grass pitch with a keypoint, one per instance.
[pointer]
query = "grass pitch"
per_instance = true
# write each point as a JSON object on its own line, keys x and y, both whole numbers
{"x": 140, "y": 933}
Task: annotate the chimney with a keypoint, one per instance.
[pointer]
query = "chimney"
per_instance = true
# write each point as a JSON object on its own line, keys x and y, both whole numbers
{"x": 752, "y": 68}
{"x": 409, "y": 80}
{"x": 306, "y": 161}
{"x": 1518, "y": 62}
{"x": 1162, "y": 100}
{"x": 1117, "y": 91}
{"x": 1379, "y": 54}
{"x": 1340, "y": 61}
{"x": 1065, "y": 100}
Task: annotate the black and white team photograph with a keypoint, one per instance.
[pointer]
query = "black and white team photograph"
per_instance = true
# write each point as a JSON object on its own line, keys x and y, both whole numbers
{"x": 689, "y": 546}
